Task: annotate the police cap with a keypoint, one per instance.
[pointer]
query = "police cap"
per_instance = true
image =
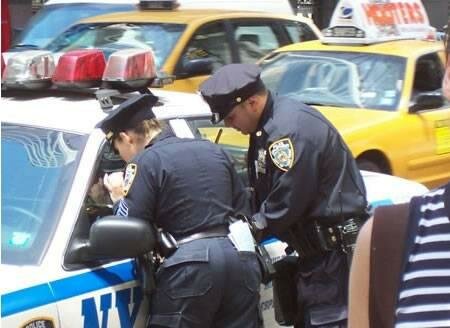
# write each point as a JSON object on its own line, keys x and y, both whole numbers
{"x": 128, "y": 115}
{"x": 229, "y": 86}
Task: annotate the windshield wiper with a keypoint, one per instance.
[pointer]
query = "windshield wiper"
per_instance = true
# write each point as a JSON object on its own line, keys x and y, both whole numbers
{"x": 313, "y": 103}
{"x": 23, "y": 45}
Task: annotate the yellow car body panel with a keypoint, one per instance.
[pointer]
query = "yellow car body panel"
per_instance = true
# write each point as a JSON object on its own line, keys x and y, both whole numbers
{"x": 415, "y": 145}
{"x": 193, "y": 19}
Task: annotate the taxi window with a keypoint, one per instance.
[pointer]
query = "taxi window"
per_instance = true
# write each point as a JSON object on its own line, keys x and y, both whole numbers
{"x": 160, "y": 37}
{"x": 209, "y": 41}
{"x": 299, "y": 32}
{"x": 340, "y": 79}
{"x": 38, "y": 167}
{"x": 255, "y": 39}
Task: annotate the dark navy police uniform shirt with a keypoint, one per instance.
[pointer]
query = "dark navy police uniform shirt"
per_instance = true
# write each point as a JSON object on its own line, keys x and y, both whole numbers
{"x": 183, "y": 198}
{"x": 297, "y": 163}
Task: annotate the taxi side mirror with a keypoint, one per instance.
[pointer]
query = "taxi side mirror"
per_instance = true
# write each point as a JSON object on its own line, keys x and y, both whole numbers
{"x": 116, "y": 237}
{"x": 426, "y": 101}
{"x": 196, "y": 67}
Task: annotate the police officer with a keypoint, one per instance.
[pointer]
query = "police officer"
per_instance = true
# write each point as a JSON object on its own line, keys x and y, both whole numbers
{"x": 189, "y": 188}
{"x": 306, "y": 184}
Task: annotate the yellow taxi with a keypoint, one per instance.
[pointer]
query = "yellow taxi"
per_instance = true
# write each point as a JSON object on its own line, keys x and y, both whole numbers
{"x": 188, "y": 44}
{"x": 382, "y": 92}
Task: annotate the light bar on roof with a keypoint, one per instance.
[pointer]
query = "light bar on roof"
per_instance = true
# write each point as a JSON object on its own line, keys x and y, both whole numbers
{"x": 130, "y": 69}
{"x": 158, "y": 4}
{"x": 32, "y": 69}
{"x": 80, "y": 68}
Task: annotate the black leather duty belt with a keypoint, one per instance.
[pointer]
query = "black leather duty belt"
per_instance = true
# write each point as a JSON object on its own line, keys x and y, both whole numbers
{"x": 219, "y": 231}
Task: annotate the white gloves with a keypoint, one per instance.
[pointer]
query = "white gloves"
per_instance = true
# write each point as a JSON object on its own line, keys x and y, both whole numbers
{"x": 114, "y": 184}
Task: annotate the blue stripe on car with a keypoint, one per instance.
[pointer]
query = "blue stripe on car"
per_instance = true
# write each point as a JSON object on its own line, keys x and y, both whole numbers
{"x": 58, "y": 290}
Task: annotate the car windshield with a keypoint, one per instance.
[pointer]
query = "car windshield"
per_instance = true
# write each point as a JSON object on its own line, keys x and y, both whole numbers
{"x": 38, "y": 167}
{"x": 54, "y": 19}
{"x": 340, "y": 79}
{"x": 159, "y": 37}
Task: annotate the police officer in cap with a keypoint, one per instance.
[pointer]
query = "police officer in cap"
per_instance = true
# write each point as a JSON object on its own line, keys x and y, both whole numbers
{"x": 306, "y": 184}
{"x": 189, "y": 188}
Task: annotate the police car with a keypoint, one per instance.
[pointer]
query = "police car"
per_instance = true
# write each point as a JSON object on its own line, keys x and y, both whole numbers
{"x": 60, "y": 266}
{"x": 376, "y": 75}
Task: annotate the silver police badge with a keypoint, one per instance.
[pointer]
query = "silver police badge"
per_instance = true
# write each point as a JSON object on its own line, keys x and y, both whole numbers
{"x": 130, "y": 173}
{"x": 282, "y": 153}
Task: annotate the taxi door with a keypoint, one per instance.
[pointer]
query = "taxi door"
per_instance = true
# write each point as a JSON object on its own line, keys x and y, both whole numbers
{"x": 430, "y": 161}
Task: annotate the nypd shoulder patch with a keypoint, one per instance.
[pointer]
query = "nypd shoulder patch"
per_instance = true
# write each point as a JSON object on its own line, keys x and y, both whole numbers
{"x": 282, "y": 154}
{"x": 130, "y": 173}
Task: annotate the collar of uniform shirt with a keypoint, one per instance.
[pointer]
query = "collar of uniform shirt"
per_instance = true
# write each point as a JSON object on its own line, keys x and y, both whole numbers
{"x": 267, "y": 112}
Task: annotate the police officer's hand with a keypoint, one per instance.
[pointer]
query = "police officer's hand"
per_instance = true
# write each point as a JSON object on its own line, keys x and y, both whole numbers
{"x": 114, "y": 184}
{"x": 258, "y": 224}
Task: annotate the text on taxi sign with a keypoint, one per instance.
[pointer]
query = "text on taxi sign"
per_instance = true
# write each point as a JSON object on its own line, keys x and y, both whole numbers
{"x": 394, "y": 13}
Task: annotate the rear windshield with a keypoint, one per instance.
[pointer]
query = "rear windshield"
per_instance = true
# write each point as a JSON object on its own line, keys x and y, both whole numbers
{"x": 54, "y": 19}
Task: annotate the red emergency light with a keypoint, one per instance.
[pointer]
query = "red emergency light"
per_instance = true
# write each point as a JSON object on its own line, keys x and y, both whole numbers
{"x": 80, "y": 68}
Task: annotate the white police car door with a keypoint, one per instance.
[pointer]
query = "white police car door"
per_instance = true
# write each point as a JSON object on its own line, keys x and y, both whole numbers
{"x": 46, "y": 215}
{"x": 98, "y": 296}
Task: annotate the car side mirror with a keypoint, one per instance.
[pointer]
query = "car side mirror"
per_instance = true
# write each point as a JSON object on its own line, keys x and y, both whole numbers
{"x": 116, "y": 237}
{"x": 426, "y": 101}
{"x": 110, "y": 238}
{"x": 196, "y": 67}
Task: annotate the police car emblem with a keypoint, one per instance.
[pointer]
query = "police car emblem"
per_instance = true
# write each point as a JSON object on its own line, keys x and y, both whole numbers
{"x": 282, "y": 154}
{"x": 130, "y": 173}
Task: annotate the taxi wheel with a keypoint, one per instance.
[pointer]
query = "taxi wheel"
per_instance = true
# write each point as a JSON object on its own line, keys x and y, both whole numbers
{"x": 367, "y": 165}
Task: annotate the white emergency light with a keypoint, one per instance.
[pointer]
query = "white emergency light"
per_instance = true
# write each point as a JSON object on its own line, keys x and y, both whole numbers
{"x": 32, "y": 69}
{"x": 132, "y": 69}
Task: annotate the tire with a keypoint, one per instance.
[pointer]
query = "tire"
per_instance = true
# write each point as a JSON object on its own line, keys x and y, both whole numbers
{"x": 368, "y": 165}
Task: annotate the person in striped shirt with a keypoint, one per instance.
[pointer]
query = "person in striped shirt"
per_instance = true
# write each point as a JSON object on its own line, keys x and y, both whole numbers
{"x": 421, "y": 297}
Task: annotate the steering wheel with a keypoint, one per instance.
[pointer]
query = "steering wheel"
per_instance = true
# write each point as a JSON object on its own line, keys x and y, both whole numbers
{"x": 20, "y": 212}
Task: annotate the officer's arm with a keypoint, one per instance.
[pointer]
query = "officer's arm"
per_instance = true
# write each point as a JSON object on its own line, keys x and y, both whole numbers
{"x": 359, "y": 279}
{"x": 294, "y": 190}
{"x": 139, "y": 189}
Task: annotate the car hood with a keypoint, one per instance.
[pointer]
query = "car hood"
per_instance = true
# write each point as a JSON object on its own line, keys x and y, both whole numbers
{"x": 347, "y": 120}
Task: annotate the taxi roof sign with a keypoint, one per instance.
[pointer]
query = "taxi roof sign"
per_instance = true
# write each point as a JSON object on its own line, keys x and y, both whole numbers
{"x": 371, "y": 21}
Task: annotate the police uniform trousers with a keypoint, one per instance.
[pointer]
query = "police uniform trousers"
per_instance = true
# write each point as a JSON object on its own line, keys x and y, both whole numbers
{"x": 207, "y": 283}
{"x": 322, "y": 291}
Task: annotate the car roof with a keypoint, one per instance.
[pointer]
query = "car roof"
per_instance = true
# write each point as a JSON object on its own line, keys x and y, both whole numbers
{"x": 183, "y": 16}
{"x": 402, "y": 48}
{"x": 79, "y": 113}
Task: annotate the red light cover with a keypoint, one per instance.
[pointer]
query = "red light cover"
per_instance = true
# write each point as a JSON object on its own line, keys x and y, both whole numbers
{"x": 129, "y": 65}
{"x": 80, "y": 68}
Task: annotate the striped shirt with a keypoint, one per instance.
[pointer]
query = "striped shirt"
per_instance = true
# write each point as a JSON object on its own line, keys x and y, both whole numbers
{"x": 424, "y": 295}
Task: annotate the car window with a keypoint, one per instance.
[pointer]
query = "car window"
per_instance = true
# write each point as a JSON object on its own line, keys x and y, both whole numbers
{"x": 232, "y": 141}
{"x": 209, "y": 41}
{"x": 298, "y": 31}
{"x": 255, "y": 39}
{"x": 337, "y": 79}
{"x": 54, "y": 19}
{"x": 38, "y": 167}
{"x": 159, "y": 37}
